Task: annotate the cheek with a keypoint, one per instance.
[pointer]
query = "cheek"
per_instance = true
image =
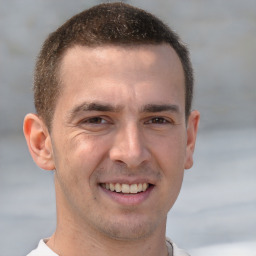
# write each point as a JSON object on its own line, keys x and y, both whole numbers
{"x": 170, "y": 156}
{"x": 170, "y": 152}
{"x": 80, "y": 156}
{"x": 173, "y": 167}
{"x": 76, "y": 162}
{"x": 173, "y": 156}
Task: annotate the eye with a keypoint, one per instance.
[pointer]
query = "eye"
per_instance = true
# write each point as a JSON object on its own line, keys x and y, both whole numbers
{"x": 158, "y": 120}
{"x": 96, "y": 124}
{"x": 95, "y": 120}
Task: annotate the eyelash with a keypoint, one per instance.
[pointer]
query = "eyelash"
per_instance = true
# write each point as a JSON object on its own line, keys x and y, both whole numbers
{"x": 159, "y": 120}
{"x": 94, "y": 120}
{"x": 97, "y": 120}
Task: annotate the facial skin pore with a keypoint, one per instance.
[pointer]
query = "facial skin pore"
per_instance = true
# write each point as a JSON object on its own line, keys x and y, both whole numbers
{"x": 119, "y": 121}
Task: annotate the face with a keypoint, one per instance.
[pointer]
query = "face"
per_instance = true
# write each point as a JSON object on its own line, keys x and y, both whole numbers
{"x": 119, "y": 138}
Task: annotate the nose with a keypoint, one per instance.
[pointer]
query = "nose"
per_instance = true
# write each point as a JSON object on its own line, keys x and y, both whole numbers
{"x": 129, "y": 147}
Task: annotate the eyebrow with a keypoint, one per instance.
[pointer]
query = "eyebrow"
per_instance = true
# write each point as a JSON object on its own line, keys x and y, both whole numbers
{"x": 153, "y": 108}
{"x": 93, "y": 106}
{"x": 106, "y": 107}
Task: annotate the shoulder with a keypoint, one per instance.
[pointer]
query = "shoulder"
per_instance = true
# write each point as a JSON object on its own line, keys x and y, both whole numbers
{"x": 42, "y": 250}
{"x": 172, "y": 247}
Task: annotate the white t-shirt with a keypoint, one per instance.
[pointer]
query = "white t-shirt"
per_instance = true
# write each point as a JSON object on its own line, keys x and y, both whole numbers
{"x": 44, "y": 250}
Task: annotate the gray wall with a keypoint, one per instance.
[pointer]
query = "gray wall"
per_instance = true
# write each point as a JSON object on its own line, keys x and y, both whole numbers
{"x": 218, "y": 201}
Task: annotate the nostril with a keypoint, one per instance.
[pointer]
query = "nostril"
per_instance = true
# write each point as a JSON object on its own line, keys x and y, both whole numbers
{"x": 121, "y": 164}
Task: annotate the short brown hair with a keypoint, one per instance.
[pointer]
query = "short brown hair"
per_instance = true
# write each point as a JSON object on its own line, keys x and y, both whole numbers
{"x": 104, "y": 24}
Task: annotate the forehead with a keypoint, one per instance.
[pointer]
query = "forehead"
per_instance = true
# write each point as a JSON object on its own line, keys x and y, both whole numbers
{"x": 146, "y": 56}
{"x": 143, "y": 71}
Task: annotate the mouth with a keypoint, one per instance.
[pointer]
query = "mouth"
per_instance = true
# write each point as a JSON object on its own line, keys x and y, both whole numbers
{"x": 126, "y": 188}
{"x": 127, "y": 194}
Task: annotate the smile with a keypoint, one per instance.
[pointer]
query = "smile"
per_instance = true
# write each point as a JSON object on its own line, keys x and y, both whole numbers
{"x": 126, "y": 188}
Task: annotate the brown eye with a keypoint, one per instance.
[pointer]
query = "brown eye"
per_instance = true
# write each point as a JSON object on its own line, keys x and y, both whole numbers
{"x": 95, "y": 120}
{"x": 96, "y": 124}
{"x": 158, "y": 120}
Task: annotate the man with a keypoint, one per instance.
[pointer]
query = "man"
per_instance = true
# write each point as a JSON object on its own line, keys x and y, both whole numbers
{"x": 113, "y": 90}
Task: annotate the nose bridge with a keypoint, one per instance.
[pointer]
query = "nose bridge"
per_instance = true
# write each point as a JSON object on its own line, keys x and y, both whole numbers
{"x": 129, "y": 146}
{"x": 133, "y": 140}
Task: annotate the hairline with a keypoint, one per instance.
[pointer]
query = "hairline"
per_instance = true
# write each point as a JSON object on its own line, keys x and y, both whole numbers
{"x": 74, "y": 33}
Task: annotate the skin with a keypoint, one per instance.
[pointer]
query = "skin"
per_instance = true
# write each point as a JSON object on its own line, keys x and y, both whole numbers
{"x": 120, "y": 119}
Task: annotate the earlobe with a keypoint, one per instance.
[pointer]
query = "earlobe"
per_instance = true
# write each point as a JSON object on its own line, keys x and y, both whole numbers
{"x": 192, "y": 128}
{"x": 38, "y": 141}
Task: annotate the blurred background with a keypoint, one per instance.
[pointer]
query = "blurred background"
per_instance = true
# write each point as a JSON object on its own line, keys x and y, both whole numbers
{"x": 217, "y": 204}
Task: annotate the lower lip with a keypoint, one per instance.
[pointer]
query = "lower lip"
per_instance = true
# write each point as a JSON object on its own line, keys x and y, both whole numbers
{"x": 129, "y": 199}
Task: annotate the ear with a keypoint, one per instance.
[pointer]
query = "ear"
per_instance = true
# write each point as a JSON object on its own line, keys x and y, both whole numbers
{"x": 192, "y": 128}
{"x": 38, "y": 141}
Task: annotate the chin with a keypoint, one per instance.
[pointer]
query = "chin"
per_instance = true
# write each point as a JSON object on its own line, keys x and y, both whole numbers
{"x": 129, "y": 230}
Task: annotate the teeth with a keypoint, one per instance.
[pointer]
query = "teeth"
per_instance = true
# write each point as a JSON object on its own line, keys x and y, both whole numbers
{"x": 134, "y": 189}
{"x": 112, "y": 187}
{"x": 118, "y": 187}
{"x": 144, "y": 186}
{"x": 126, "y": 188}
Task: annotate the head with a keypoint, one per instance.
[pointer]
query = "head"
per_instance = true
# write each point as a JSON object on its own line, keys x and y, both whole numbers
{"x": 106, "y": 24}
{"x": 113, "y": 90}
